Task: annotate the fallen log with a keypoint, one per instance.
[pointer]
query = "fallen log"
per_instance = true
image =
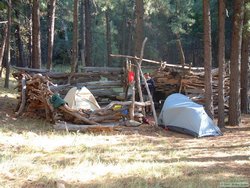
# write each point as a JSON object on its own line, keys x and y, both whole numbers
{"x": 77, "y": 114}
{"x": 26, "y": 69}
{"x": 96, "y": 84}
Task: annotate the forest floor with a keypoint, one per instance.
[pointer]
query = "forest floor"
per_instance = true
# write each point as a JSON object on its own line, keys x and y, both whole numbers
{"x": 32, "y": 154}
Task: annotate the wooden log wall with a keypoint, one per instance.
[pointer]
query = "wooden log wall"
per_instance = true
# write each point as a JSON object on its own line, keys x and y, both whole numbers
{"x": 101, "y": 81}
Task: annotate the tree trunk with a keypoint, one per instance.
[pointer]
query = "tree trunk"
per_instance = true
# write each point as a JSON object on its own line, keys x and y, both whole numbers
{"x": 2, "y": 50}
{"x": 108, "y": 38}
{"x": 74, "y": 58}
{"x": 139, "y": 12}
{"x": 221, "y": 62}
{"x": 30, "y": 35}
{"x": 7, "y": 66}
{"x": 244, "y": 63}
{"x": 82, "y": 32}
{"x": 88, "y": 34}
{"x": 36, "y": 36}
{"x": 207, "y": 59}
{"x": 21, "y": 56}
{"x": 234, "y": 93}
{"x": 244, "y": 75}
{"x": 130, "y": 36}
{"x": 51, "y": 29}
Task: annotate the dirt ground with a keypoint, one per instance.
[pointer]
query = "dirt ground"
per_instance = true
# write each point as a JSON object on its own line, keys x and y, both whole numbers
{"x": 230, "y": 152}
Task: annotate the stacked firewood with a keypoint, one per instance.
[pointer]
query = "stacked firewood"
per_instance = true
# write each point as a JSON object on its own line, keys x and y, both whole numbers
{"x": 191, "y": 82}
{"x": 34, "y": 95}
{"x": 38, "y": 99}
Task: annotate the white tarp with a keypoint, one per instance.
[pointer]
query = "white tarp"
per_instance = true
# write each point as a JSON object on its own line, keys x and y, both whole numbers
{"x": 81, "y": 99}
{"x": 181, "y": 114}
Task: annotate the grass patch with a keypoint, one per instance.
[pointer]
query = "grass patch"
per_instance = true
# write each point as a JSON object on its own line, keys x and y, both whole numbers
{"x": 86, "y": 160}
{"x": 32, "y": 154}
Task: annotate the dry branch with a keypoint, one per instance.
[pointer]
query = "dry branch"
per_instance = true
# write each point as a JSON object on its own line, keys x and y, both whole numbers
{"x": 23, "y": 97}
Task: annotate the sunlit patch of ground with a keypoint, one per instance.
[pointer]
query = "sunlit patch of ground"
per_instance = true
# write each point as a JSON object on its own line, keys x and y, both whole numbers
{"x": 32, "y": 154}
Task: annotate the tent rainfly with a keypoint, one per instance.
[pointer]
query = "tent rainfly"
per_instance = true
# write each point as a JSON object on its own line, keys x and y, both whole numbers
{"x": 181, "y": 114}
{"x": 81, "y": 99}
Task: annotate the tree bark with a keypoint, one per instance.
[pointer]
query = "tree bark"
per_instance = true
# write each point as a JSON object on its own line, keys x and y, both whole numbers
{"x": 74, "y": 58}
{"x": 51, "y": 29}
{"x": 21, "y": 56}
{"x": 234, "y": 94}
{"x": 221, "y": 62}
{"x": 2, "y": 50}
{"x": 30, "y": 35}
{"x": 82, "y": 33}
{"x": 88, "y": 34}
{"x": 207, "y": 59}
{"x": 7, "y": 66}
{"x": 130, "y": 36}
{"x": 108, "y": 37}
{"x": 139, "y": 12}
{"x": 244, "y": 63}
{"x": 36, "y": 36}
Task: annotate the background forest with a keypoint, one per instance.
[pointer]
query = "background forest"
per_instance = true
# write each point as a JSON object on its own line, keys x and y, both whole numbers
{"x": 111, "y": 24}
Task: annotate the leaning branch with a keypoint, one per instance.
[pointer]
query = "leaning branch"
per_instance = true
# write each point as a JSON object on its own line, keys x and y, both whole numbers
{"x": 23, "y": 97}
{"x": 136, "y": 58}
{"x": 163, "y": 64}
{"x": 146, "y": 84}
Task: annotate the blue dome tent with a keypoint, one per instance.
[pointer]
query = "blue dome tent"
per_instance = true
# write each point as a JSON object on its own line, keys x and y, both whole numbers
{"x": 181, "y": 114}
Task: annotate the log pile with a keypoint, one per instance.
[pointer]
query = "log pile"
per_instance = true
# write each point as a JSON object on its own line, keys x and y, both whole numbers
{"x": 37, "y": 99}
{"x": 190, "y": 82}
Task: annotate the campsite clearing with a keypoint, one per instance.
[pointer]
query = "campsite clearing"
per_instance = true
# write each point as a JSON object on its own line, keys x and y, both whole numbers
{"x": 34, "y": 155}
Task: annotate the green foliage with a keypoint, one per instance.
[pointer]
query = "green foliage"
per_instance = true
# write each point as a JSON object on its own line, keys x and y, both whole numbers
{"x": 3, "y": 5}
{"x": 178, "y": 15}
{"x": 247, "y": 17}
{"x": 163, "y": 20}
{"x": 99, "y": 41}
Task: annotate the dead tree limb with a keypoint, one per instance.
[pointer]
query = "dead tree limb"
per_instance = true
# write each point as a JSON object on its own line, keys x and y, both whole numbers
{"x": 146, "y": 84}
{"x": 77, "y": 115}
{"x": 136, "y": 58}
{"x": 23, "y": 97}
{"x": 162, "y": 64}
